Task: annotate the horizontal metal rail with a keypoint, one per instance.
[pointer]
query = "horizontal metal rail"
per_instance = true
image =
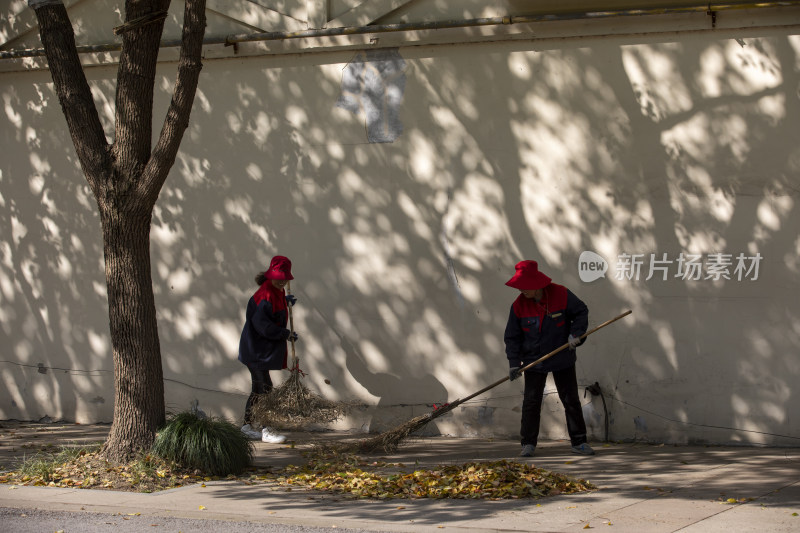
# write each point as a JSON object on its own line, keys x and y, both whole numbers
{"x": 709, "y": 8}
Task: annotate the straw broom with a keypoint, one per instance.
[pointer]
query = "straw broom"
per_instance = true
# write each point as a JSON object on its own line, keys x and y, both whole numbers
{"x": 292, "y": 404}
{"x": 389, "y": 440}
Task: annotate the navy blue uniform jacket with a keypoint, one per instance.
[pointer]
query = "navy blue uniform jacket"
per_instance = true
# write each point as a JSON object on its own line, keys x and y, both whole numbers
{"x": 536, "y": 328}
{"x": 263, "y": 342}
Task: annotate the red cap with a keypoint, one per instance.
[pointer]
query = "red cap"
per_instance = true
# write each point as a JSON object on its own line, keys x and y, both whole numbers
{"x": 527, "y": 277}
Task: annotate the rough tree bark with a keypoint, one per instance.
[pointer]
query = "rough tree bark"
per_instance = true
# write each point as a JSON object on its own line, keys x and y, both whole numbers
{"x": 126, "y": 177}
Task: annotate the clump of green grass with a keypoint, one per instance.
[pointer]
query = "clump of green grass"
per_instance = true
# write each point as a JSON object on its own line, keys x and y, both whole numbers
{"x": 45, "y": 463}
{"x": 144, "y": 468}
{"x": 211, "y": 445}
{"x": 40, "y": 465}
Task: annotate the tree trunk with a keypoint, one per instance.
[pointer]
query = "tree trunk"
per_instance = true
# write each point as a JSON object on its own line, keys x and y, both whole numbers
{"x": 138, "y": 377}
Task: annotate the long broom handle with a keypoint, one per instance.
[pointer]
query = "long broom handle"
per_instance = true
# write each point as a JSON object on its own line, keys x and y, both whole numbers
{"x": 291, "y": 323}
{"x": 451, "y": 405}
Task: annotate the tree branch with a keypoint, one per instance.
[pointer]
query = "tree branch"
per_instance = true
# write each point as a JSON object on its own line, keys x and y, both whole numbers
{"x": 177, "y": 119}
{"x": 134, "y": 100}
{"x": 74, "y": 94}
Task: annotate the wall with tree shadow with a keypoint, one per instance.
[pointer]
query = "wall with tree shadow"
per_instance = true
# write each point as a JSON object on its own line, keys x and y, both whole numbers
{"x": 405, "y": 184}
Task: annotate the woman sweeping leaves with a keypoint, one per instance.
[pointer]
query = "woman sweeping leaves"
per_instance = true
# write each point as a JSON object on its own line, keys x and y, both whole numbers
{"x": 262, "y": 346}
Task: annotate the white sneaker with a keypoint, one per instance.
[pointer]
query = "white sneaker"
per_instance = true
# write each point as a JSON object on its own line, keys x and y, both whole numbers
{"x": 250, "y": 432}
{"x": 273, "y": 438}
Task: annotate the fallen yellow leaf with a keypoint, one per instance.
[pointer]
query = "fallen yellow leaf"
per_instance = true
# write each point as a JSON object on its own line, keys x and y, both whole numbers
{"x": 202, "y": 507}
{"x": 587, "y": 526}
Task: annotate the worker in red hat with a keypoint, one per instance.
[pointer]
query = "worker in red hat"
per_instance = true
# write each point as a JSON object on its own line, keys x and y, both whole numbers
{"x": 263, "y": 345}
{"x": 544, "y": 317}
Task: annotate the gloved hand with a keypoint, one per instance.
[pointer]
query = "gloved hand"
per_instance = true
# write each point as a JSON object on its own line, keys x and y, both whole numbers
{"x": 292, "y": 336}
{"x": 513, "y": 373}
{"x": 291, "y": 300}
{"x": 573, "y": 341}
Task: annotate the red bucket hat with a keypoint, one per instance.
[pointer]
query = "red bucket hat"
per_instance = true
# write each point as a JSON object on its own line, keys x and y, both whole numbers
{"x": 527, "y": 277}
{"x": 279, "y": 268}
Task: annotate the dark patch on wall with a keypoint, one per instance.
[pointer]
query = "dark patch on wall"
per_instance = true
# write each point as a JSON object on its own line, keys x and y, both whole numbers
{"x": 373, "y": 84}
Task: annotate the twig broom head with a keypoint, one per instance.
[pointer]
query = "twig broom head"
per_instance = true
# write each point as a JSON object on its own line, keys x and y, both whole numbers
{"x": 388, "y": 441}
{"x": 292, "y": 405}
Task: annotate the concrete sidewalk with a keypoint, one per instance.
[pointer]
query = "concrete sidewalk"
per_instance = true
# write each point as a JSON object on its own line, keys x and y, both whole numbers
{"x": 641, "y": 488}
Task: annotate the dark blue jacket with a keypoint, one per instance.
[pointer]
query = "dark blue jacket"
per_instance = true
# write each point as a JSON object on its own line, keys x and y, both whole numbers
{"x": 263, "y": 342}
{"x": 535, "y": 328}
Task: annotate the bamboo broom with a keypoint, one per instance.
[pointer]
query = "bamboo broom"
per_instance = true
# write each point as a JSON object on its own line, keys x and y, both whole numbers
{"x": 389, "y": 440}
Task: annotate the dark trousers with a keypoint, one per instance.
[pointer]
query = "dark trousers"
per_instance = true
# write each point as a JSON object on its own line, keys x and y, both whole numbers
{"x": 261, "y": 384}
{"x": 567, "y": 385}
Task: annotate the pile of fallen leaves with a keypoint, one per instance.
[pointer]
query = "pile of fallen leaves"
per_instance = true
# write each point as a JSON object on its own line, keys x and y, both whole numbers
{"x": 349, "y": 474}
{"x": 342, "y": 474}
{"x": 90, "y": 471}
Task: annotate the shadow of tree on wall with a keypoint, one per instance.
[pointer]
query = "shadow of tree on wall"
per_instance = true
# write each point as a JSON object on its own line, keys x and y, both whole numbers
{"x": 400, "y": 250}
{"x": 54, "y": 314}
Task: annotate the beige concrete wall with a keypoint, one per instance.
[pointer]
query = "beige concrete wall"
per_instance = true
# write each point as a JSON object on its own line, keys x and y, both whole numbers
{"x": 663, "y": 144}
